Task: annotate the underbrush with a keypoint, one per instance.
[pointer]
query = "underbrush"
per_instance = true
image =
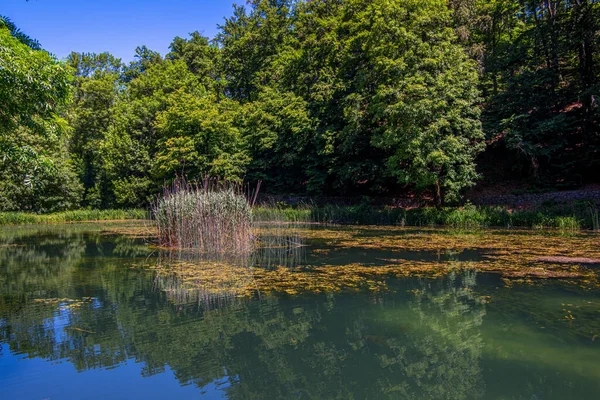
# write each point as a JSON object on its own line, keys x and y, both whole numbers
{"x": 565, "y": 217}
{"x": 562, "y": 217}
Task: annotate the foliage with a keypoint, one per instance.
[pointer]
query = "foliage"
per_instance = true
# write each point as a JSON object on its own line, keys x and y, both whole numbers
{"x": 198, "y": 137}
{"x": 132, "y": 140}
{"x": 276, "y": 130}
{"x": 35, "y": 170}
{"x": 90, "y": 116}
{"x": 5, "y": 22}
{"x": 564, "y": 217}
{"x": 32, "y": 84}
{"x": 540, "y": 78}
{"x": 356, "y": 97}
{"x": 425, "y": 97}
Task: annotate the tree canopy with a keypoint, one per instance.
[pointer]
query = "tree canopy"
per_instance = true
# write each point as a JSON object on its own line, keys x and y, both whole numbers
{"x": 336, "y": 97}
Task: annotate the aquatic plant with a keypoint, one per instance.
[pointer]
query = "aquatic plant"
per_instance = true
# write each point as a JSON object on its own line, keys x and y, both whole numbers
{"x": 568, "y": 224}
{"x": 211, "y": 217}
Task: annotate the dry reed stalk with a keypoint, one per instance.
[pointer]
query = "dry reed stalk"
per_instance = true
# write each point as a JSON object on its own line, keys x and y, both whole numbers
{"x": 211, "y": 217}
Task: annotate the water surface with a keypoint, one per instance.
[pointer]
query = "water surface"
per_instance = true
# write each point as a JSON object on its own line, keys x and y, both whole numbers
{"x": 84, "y": 315}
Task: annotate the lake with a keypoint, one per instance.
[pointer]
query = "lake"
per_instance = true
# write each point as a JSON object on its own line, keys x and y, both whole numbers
{"x": 96, "y": 311}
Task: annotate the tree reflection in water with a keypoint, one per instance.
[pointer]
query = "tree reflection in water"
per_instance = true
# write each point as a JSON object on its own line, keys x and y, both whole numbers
{"x": 73, "y": 295}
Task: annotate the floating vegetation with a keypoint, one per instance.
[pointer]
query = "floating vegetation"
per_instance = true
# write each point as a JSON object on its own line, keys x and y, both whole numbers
{"x": 214, "y": 279}
{"x": 133, "y": 229}
{"x": 66, "y": 303}
{"x": 518, "y": 257}
{"x": 524, "y": 245}
{"x": 209, "y": 283}
{"x": 295, "y": 257}
{"x": 569, "y": 260}
{"x": 192, "y": 277}
{"x": 218, "y": 280}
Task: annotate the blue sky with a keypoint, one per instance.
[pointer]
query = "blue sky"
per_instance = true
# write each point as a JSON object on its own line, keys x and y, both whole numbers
{"x": 117, "y": 26}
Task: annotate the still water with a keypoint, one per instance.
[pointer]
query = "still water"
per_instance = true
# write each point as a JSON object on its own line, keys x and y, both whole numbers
{"x": 84, "y": 314}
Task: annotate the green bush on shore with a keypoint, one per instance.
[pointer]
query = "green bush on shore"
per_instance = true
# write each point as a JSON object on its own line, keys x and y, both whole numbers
{"x": 467, "y": 217}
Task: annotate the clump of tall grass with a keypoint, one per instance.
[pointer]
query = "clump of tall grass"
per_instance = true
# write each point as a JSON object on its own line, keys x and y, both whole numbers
{"x": 565, "y": 224}
{"x": 210, "y": 217}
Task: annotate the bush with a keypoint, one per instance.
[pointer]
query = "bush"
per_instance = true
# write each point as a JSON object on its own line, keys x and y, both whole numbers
{"x": 466, "y": 217}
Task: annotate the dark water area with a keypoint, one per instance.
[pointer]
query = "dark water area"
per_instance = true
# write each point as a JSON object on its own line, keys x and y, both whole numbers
{"x": 79, "y": 318}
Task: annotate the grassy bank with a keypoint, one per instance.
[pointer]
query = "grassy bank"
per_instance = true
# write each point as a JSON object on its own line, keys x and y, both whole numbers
{"x": 570, "y": 217}
{"x": 19, "y": 218}
{"x": 558, "y": 216}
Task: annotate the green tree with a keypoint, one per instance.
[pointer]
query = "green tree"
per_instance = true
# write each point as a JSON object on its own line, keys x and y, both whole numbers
{"x": 144, "y": 59}
{"x": 426, "y": 97}
{"x": 394, "y": 94}
{"x": 35, "y": 171}
{"x": 198, "y": 138}
{"x": 33, "y": 85}
{"x": 202, "y": 58}
{"x": 539, "y": 79}
{"x": 132, "y": 140}
{"x": 277, "y": 129}
{"x": 251, "y": 42}
{"x": 90, "y": 117}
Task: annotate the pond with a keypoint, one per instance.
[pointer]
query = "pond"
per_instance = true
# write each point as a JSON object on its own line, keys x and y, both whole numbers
{"x": 95, "y": 311}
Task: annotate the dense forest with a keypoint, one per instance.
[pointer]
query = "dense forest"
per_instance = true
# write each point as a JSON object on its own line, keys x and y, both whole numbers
{"x": 331, "y": 97}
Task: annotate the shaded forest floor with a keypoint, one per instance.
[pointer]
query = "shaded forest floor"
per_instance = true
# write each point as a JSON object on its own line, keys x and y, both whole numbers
{"x": 517, "y": 197}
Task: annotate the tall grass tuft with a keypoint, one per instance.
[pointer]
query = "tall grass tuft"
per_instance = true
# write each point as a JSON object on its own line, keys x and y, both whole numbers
{"x": 210, "y": 217}
{"x": 567, "y": 224}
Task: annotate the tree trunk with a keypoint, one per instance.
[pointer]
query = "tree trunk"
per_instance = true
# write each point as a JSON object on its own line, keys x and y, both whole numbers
{"x": 437, "y": 194}
{"x": 585, "y": 50}
{"x": 552, "y": 15}
{"x": 541, "y": 35}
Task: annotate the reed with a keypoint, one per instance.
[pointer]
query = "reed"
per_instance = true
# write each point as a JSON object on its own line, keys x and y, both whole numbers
{"x": 209, "y": 217}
